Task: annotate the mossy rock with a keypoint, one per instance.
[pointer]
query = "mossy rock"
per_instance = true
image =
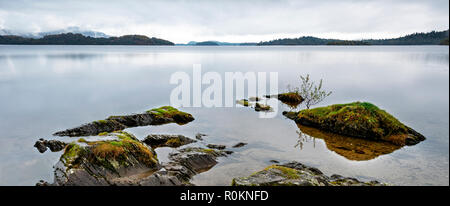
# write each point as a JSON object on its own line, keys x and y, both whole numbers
{"x": 94, "y": 162}
{"x": 296, "y": 174}
{"x": 290, "y": 97}
{"x": 164, "y": 140}
{"x": 262, "y": 107}
{"x": 359, "y": 119}
{"x": 158, "y": 116}
{"x": 244, "y": 102}
{"x": 168, "y": 112}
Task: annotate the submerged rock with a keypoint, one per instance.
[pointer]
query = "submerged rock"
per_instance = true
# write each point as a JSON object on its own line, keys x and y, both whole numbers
{"x": 361, "y": 120}
{"x": 40, "y": 146}
{"x": 240, "y": 144}
{"x": 42, "y": 183}
{"x": 158, "y": 116}
{"x": 216, "y": 146}
{"x": 162, "y": 140}
{"x": 297, "y": 174}
{"x": 53, "y": 145}
{"x": 262, "y": 107}
{"x": 244, "y": 102}
{"x": 254, "y": 99}
{"x": 199, "y": 136}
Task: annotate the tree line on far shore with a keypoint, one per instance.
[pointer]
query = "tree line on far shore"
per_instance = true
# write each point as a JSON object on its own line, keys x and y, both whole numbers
{"x": 79, "y": 39}
{"x": 430, "y": 38}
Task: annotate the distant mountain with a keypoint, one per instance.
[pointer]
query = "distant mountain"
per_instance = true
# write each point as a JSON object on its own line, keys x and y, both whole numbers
{"x": 306, "y": 40}
{"x": 215, "y": 43}
{"x": 79, "y": 39}
{"x": 207, "y": 43}
{"x": 430, "y": 38}
{"x": 75, "y": 30}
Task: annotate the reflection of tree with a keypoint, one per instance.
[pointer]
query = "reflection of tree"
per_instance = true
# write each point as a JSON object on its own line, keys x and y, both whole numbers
{"x": 302, "y": 138}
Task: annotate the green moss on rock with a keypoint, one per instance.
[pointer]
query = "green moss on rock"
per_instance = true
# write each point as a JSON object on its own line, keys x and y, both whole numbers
{"x": 287, "y": 172}
{"x": 244, "y": 102}
{"x": 290, "y": 97}
{"x": 110, "y": 154}
{"x": 169, "y": 112}
{"x": 359, "y": 119}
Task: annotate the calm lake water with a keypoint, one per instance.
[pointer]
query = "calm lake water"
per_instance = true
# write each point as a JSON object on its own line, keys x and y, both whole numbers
{"x": 44, "y": 89}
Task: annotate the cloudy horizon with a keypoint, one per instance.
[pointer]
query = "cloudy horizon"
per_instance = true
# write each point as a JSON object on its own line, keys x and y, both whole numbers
{"x": 181, "y": 21}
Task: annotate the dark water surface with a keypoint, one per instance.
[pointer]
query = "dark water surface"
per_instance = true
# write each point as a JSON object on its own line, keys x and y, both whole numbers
{"x": 44, "y": 89}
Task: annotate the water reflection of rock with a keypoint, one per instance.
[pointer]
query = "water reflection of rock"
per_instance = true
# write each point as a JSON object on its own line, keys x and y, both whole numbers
{"x": 291, "y": 105}
{"x": 348, "y": 147}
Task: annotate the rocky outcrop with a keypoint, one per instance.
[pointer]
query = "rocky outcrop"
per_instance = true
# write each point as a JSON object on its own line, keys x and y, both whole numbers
{"x": 297, "y": 174}
{"x": 216, "y": 146}
{"x": 199, "y": 136}
{"x": 163, "y": 140}
{"x": 240, "y": 144}
{"x": 190, "y": 161}
{"x": 358, "y": 119}
{"x": 292, "y": 99}
{"x": 123, "y": 160}
{"x": 183, "y": 165}
{"x": 54, "y": 145}
{"x": 244, "y": 102}
{"x": 101, "y": 162}
{"x": 262, "y": 107}
{"x": 158, "y": 116}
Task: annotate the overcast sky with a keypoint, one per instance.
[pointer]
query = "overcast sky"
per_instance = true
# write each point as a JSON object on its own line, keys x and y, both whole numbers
{"x": 230, "y": 20}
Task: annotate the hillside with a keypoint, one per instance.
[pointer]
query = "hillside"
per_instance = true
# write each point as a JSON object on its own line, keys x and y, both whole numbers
{"x": 430, "y": 38}
{"x": 306, "y": 40}
{"x": 79, "y": 39}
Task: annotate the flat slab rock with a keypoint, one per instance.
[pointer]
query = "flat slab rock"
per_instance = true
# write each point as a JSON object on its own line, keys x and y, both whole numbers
{"x": 164, "y": 140}
{"x": 297, "y": 174}
{"x": 184, "y": 164}
{"x": 159, "y": 116}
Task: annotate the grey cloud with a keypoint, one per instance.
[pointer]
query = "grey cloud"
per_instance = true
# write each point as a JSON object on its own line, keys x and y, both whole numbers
{"x": 181, "y": 21}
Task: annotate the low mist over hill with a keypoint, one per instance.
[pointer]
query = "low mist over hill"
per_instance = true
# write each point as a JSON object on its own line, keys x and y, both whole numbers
{"x": 79, "y": 39}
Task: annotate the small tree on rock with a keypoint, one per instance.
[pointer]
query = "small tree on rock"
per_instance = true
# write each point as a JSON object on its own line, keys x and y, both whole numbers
{"x": 311, "y": 93}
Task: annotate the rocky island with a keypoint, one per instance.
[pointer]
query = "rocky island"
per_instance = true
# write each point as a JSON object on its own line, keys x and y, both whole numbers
{"x": 358, "y": 119}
